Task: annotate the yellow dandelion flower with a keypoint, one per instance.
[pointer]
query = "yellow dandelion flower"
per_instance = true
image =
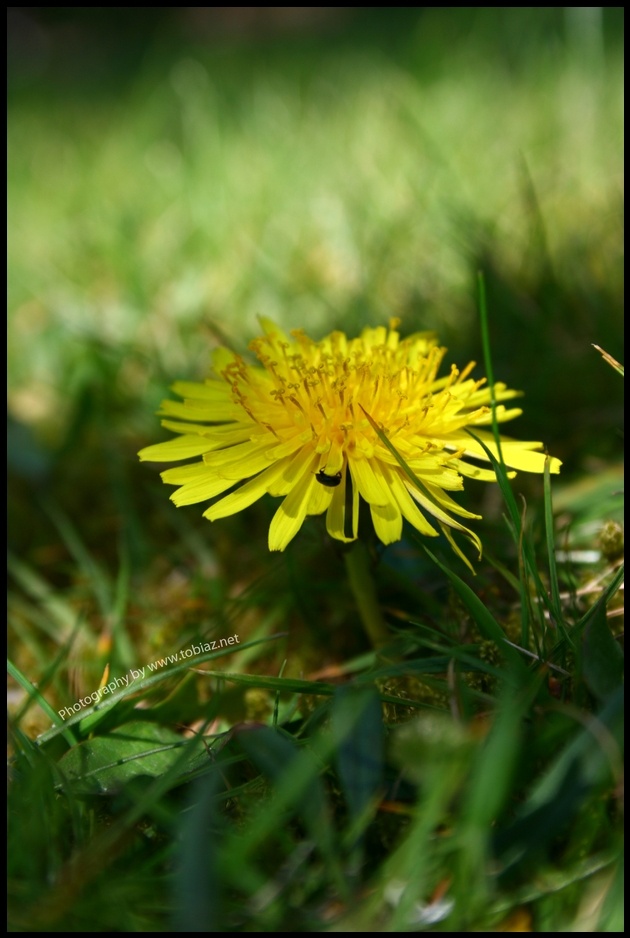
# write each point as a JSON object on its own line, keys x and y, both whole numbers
{"x": 324, "y": 424}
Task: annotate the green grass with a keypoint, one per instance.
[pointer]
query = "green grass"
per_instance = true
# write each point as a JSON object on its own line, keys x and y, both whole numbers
{"x": 165, "y": 189}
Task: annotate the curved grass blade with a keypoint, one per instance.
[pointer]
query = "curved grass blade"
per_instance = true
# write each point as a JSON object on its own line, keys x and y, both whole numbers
{"x": 485, "y": 621}
{"x": 35, "y": 694}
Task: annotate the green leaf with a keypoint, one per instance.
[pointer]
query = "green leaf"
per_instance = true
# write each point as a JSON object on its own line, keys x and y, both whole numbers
{"x": 104, "y": 764}
{"x": 602, "y": 656}
{"x": 276, "y": 756}
{"x": 358, "y": 723}
{"x": 280, "y": 684}
{"x": 298, "y": 790}
{"x": 589, "y": 762}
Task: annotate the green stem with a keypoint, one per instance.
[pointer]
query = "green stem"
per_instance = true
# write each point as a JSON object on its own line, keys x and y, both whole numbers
{"x": 362, "y": 586}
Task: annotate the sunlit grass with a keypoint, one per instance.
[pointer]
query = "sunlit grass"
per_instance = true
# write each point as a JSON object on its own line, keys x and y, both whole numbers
{"x": 359, "y": 193}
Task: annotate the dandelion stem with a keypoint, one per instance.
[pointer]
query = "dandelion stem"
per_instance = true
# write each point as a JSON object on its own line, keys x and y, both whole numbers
{"x": 362, "y": 586}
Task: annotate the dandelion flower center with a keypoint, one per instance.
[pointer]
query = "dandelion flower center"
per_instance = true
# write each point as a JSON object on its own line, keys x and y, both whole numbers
{"x": 318, "y": 391}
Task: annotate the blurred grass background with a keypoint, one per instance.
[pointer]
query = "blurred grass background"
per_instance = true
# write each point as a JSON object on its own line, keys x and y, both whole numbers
{"x": 175, "y": 173}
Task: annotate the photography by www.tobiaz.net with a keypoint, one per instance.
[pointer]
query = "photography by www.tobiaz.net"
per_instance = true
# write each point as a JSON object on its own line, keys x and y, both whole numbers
{"x": 135, "y": 674}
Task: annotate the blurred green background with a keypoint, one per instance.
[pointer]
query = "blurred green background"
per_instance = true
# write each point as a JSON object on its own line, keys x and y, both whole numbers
{"x": 174, "y": 173}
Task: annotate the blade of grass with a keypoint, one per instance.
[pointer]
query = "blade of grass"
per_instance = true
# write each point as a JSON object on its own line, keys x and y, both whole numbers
{"x": 525, "y": 551}
{"x": 122, "y": 644}
{"x": 197, "y": 877}
{"x": 588, "y": 763}
{"x": 95, "y": 575}
{"x": 507, "y": 575}
{"x": 522, "y": 542}
{"x": 297, "y": 787}
{"x": 487, "y": 361}
{"x": 485, "y": 621}
{"x": 609, "y": 358}
{"x": 35, "y": 694}
{"x": 49, "y": 673}
{"x": 554, "y": 586}
{"x": 38, "y": 589}
{"x": 357, "y": 722}
{"x": 603, "y": 600}
{"x": 317, "y": 688}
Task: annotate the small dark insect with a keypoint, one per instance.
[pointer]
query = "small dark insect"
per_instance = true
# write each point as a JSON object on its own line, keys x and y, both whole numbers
{"x": 330, "y": 481}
